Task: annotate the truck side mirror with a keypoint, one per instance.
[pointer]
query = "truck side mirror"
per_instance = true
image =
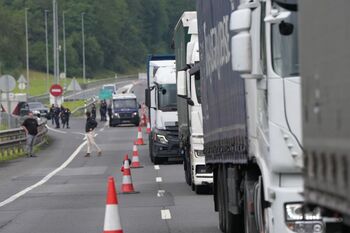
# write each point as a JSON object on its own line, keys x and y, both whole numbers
{"x": 241, "y": 42}
{"x": 181, "y": 83}
{"x": 190, "y": 102}
{"x": 147, "y": 97}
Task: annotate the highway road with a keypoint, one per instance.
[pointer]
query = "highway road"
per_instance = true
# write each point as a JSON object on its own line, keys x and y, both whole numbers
{"x": 63, "y": 191}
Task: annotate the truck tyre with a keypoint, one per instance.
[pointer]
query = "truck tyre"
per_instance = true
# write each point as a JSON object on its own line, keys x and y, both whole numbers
{"x": 220, "y": 202}
{"x": 187, "y": 167}
{"x": 233, "y": 222}
{"x": 248, "y": 202}
{"x": 151, "y": 150}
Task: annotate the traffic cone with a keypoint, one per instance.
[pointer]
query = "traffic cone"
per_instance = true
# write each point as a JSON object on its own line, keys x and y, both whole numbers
{"x": 148, "y": 129}
{"x": 135, "y": 163}
{"x": 139, "y": 137}
{"x": 127, "y": 186}
{"x": 112, "y": 219}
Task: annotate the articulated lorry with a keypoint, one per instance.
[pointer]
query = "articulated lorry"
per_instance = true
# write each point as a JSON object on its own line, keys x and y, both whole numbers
{"x": 188, "y": 103}
{"x": 251, "y": 103}
{"x": 325, "y": 71}
{"x": 160, "y": 96}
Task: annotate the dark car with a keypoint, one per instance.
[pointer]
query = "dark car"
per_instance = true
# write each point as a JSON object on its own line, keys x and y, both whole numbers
{"x": 39, "y": 109}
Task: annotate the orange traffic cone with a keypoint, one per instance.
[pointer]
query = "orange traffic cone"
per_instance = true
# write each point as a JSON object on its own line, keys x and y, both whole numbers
{"x": 112, "y": 219}
{"x": 139, "y": 137}
{"x": 135, "y": 163}
{"x": 127, "y": 186}
{"x": 148, "y": 129}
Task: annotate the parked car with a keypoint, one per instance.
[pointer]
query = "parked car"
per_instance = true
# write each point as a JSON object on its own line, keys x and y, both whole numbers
{"x": 39, "y": 109}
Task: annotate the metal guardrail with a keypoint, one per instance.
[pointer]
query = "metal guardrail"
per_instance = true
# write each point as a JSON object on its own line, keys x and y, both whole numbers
{"x": 80, "y": 110}
{"x": 13, "y": 141}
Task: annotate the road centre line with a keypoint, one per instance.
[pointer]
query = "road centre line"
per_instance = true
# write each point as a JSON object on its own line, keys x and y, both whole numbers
{"x": 156, "y": 167}
{"x": 56, "y": 130}
{"x": 160, "y": 193}
{"x": 165, "y": 214}
{"x": 45, "y": 179}
{"x": 159, "y": 179}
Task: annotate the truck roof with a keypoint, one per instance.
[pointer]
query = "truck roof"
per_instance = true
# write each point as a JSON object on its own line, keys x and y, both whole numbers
{"x": 124, "y": 96}
{"x": 186, "y": 19}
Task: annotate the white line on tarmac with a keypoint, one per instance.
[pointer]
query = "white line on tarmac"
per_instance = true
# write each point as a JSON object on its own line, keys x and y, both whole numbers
{"x": 156, "y": 167}
{"x": 160, "y": 193}
{"x": 45, "y": 179}
{"x": 102, "y": 129}
{"x": 165, "y": 214}
{"x": 159, "y": 179}
{"x": 56, "y": 130}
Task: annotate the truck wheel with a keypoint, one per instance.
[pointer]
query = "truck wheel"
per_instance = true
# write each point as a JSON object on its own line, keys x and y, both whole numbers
{"x": 258, "y": 206}
{"x": 188, "y": 172}
{"x": 151, "y": 150}
{"x": 220, "y": 201}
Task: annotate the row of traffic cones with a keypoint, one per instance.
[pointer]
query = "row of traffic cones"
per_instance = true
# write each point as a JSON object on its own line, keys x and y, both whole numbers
{"x": 112, "y": 223}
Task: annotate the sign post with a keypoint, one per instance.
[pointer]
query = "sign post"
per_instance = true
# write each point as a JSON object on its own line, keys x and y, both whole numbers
{"x": 56, "y": 91}
{"x": 8, "y": 84}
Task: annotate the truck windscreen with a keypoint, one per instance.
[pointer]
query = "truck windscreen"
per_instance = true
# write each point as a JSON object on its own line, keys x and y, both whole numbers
{"x": 285, "y": 54}
{"x": 124, "y": 103}
{"x": 167, "y": 97}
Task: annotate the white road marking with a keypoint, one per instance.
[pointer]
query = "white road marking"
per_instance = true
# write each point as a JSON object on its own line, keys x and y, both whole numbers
{"x": 102, "y": 129}
{"x": 160, "y": 193}
{"x": 159, "y": 179}
{"x": 56, "y": 130}
{"x": 156, "y": 167}
{"x": 45, "y": 179}
{"x": 165, "y": 214}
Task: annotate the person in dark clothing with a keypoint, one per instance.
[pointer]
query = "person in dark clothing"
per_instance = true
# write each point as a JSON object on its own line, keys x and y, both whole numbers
{"x": 103, "y": 110}
{"x": 93, "y": 111}
{"x": 52, "y": 114}
{"x": 63, "y": 117}
{"x": 30, "y": 126}
{"x": 67, "y": 116}
{"x": 90, "y": 126}
{"x": 57, "y": 113}
{"x": 110, "y": 114}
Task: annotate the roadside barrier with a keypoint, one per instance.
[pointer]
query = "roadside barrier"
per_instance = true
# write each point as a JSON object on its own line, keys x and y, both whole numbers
{"x": 112, "y": 219}
{"x": 13, "y": 141}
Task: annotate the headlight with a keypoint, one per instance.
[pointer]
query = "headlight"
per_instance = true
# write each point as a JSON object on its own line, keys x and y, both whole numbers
{"x": 297, "y": 212}
{"x": 294, "y": 212}
{"x": 134, "y": 114}
{"x": 116, "y": 115}
{"x": 162, "y": 139}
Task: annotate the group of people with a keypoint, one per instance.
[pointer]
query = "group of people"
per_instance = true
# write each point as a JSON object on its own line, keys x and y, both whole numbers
{"x": 104, "y": 110}
{"x": 60, "y": 113}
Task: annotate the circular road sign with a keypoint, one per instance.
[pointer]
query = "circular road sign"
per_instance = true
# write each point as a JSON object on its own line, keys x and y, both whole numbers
{"x": 7, "y": 83}
{"x": 21, "y": 86}
{"x": 56, "y": 90}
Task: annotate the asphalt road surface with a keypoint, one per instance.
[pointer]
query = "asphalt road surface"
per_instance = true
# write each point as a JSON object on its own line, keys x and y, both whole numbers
{"x": 63, "y": 191}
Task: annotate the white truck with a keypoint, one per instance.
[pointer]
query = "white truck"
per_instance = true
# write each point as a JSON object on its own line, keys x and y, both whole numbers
{"x": 189, "y": 106}
{"x": 160, "y": 97}
{"x": 251, "y": 103}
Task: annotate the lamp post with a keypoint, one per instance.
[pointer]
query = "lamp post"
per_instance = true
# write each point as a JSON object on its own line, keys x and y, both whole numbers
{"x": 64, "y": 50}
{"x": 27, "y": 51}
{"x": 47, "y": 52}
{"x": 83, "y": 42}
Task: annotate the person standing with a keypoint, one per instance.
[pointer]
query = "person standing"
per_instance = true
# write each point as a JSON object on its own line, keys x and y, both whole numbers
{"x": 52, "y": 114}
{"x": 109, "y": 110}
{"x": 90, "y": 126}
{"x": 57, "y": 113}
{"x": 93, "y": 111}
{"x": 30, "y": 126}
{"x": 63, "y": 117}
{"x": 67, "y": 114}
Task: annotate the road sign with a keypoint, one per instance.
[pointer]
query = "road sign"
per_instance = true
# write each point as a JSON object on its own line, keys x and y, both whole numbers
{"x": 105, "y": 94}
{"x": 22, "y": 79}
{"x": 21, "y": 86}
{"x": 56, "y": 90}
{"x": 74, "y": 85}
{"x": 7, "y": 83}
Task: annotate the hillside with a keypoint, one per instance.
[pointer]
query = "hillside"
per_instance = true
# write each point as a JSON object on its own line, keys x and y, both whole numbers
{"x": 118, "y": 33}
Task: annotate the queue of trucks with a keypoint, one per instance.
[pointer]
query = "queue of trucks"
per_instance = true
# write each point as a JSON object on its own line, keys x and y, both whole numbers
{"x": 261, "y": 90}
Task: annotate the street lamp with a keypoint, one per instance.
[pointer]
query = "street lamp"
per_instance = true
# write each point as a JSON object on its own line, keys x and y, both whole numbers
{"x": 47, "y": 52}
{"x": 27, "y": 50}
{"x": 83, "y": 42}
{"x": 64, "y": 50}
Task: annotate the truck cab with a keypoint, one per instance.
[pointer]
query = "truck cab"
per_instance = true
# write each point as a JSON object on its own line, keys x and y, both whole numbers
{"x": 161, "y": 101}
{"x": 125, "y": 110}
{"x": 197, "y": 174}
